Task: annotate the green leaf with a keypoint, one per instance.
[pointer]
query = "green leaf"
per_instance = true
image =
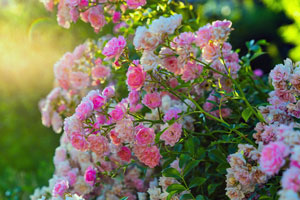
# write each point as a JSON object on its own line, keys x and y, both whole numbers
{"x": 170, "y": 195}
{"x": 176, "y": 187}
{"x": 189, "y": 144}
{"x": 192, "y": 164}
{"x": 212, "y": 187}
{"x": 124, "y": 198}
{"x": 197, "y": 181}
{"x": 186, "y": 196}
{"x": 246, "y": 114}
{"x": 200, "y": 197}
{"x": 171, "y": 172}
{"x": 222, "y": 168}
{"x": 217, "y": 156}
{"x": 183, "y": 158}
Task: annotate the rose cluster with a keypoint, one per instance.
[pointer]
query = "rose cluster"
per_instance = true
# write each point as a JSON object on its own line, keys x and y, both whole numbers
{"x": 94, "y": 12}
{"x": 104, "y": 134}
{"x": 277, "y": 137}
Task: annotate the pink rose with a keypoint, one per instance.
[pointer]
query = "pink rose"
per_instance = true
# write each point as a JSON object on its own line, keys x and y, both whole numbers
{"x": 79, "y": 80}
{"x": 100, "y": 72}
{"x": 84, "y": 110}
{"x": 114, "y": 48}
{"x": 203, "y": 35}
{"x": 96, "y": 17}
{"x": 172, "y": 65}
{"x": 291, "y": 179}
{"x": 150, "y": 156}
{"x": 135, "y": 77}
{"x": 125, "y": 154}
{"x": 79, "y": 142}
{"x": 98, "y": 144}
{"x": 145, "y": 136}
{"x": 191, "y": 71}
{"x": 116, "y": 17}
{"x": 172, "y": 134}
{"x": 172, "y": 113}
{"x": 117, "y": 114}
{"x": 60, "y": 188}
{"x": 90, "y": 175}
{"x": 272, "y": 157}
{"x": 152, "y": 100}
{"x": 109, "y": 92}
{"x": 133, "y": 4}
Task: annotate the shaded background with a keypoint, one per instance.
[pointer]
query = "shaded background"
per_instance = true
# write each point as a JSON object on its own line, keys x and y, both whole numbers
{"x": 31, "y": 42}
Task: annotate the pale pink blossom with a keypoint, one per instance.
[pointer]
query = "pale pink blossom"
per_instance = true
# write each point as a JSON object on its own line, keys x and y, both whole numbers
{"x": 152, "y": 100}
{"x": 49, "y": 4}
{"x": 149, "y": 60}
{"x": 145, "y": 39}
{"x": 191, "y": 71}
{"x": 145, "y": 136}
{"x": 172, "y": 135}
{"x": 135, "y": 107}
{"x": 165, "y": 24}
{"x": 210, "y": 51}
{"x": 72, "y": 3}
{"x": 184, "y": 39}
{"x": 117, "y": 113}
{"x": 84, "y": 110}
{"x": 100, "y": 72}
{"x": 74, "y": 13}
{"x": 95, "y": 16}
{"x": 172, "y": 113}
{"x": 114, "y": 48}
{"x": 109, "y": 92}
{"x": 133, "y": 97}
{"x": 72, "y": 176}
{"x": 60, "y": 154}
{"x": 98, "y": 144}
{"x": 135, "y": 77}
{"x": 79, "y": 80}
{"x": 273, "y": 157}
{"x": 79, "y": 51}
{"x": 79, "y": 142}
{"x": 63, "y": 14}
{"x": 125, "y": 130}
{"x": 56, "y": 122}
{"x": 72, "y": 125}
{"x": 221, "y": 30}
{"x": 291, "y": 179}
{"x": 171, "y": 63}
{"x": 150, "y": 156}
{"x": 60, "y": 188}
{"x": 133, "y": 4}
{"x": 204, "y": 35}
{"x": 280, "y": 73}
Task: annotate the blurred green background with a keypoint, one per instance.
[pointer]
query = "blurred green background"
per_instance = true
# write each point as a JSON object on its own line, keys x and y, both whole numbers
{"x": 31, "y": 42}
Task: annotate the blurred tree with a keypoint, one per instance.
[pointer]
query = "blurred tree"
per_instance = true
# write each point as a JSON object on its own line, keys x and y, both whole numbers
{"x": 290, "y": 32}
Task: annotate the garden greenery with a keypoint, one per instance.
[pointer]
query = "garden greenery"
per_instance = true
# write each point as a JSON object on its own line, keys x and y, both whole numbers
{"x": 164, "y": 108}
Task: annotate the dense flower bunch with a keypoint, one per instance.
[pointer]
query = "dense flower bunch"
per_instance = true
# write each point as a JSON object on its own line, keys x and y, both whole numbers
{"x": 279, "y": 142}
{"x": 244, "y": 173}
{"x": 75, "y": 74}
{"x": 95, "y": 12}
{"x": 154, "y": 112}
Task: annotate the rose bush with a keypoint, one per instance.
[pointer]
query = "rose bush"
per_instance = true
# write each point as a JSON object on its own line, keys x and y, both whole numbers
{"x": 164, "y": 108}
